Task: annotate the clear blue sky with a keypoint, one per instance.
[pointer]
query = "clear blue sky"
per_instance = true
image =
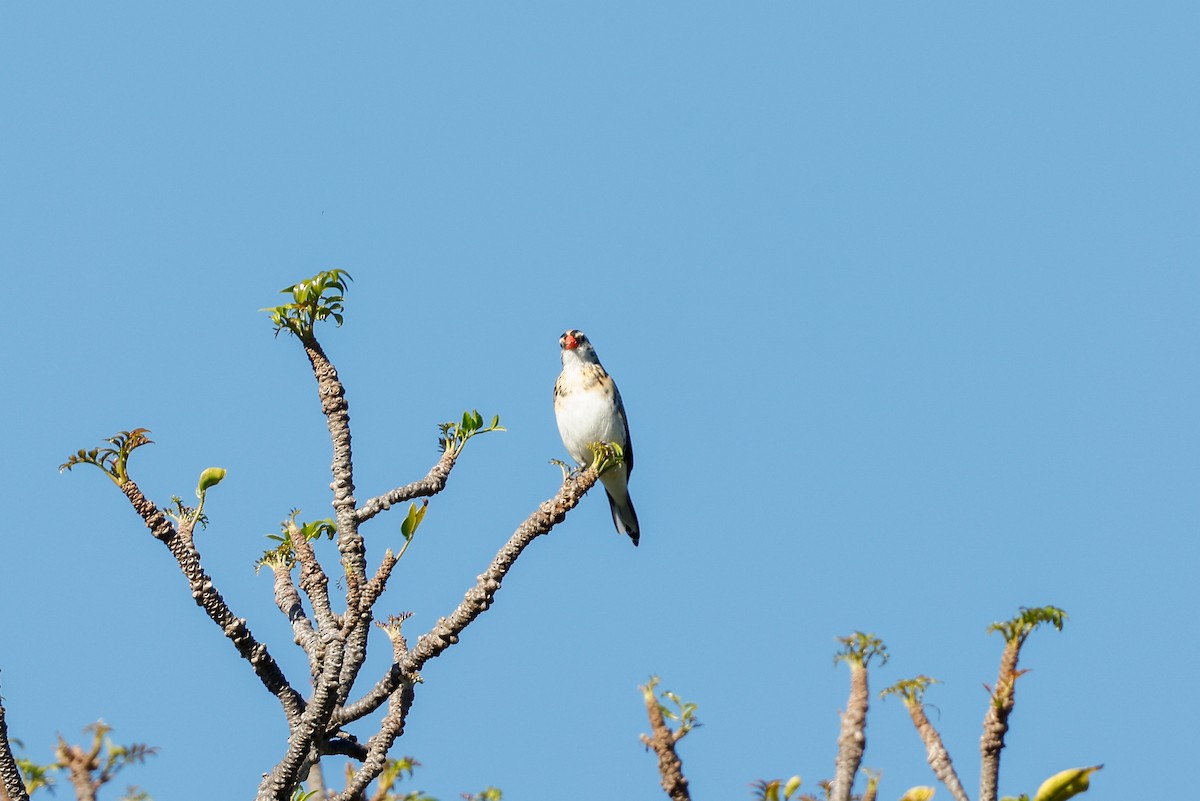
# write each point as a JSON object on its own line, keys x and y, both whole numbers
{"x": 902, "y": 300}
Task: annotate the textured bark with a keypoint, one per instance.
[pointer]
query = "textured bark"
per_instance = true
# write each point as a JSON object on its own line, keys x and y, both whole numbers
{"x": 431, "y": 485}
{"x": 662, "y": 741}
{"x": 207, "y": 597}
{"x": 995, "y": 722}
{"x": 336, "y": 643}
{"x": 12, "y": 788}
{"x": 287, "y": 598}
{"x": 309, "y": 732}
{"x": 81, "y": 768}
{"x": 349, "y": 542}
{"x": 852, "y": 742}
{"x": 477, "y": 599}
{"x": 939, "y": 758}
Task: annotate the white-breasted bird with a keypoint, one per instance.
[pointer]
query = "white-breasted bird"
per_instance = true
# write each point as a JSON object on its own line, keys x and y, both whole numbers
{"x": 588, "y": 408}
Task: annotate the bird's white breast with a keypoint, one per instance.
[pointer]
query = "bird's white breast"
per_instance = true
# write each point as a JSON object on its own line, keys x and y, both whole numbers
{"x": 587, "y": 415}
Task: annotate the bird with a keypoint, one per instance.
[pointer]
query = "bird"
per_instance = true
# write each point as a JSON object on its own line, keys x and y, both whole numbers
{"x": 588, "y": 409}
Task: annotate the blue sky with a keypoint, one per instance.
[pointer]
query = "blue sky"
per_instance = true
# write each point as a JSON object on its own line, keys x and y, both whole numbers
{"x": 901, "y": 300}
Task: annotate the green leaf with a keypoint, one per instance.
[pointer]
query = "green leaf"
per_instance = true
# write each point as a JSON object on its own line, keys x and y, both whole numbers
{"x": 1066, "y": 784}
{"x": 209, "y": 478}
{"x": 413, "y": 519}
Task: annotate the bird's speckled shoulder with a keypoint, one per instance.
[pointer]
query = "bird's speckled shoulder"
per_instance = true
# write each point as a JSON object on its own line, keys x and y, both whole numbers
{"x": 586, "y": 377}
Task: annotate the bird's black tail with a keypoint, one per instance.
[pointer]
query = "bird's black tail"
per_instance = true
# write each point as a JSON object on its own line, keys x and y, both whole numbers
{"x": 624, "y": 518}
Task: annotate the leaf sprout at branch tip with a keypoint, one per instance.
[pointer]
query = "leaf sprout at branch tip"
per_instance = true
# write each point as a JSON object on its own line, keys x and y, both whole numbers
{"x": 284, "y": 554}
{"x": 113, "y": 461}
{"x": 858, "y": 649}
{"x": 1021, "y": 626}
{"x": 684, "y": 712}
{"x": 313, "y": 300}
{"x": 911, "y": 691}
{"x": 455, "y": 435}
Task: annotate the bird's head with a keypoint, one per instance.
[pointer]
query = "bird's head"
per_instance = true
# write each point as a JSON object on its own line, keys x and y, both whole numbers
{"x": 574, "y": 343}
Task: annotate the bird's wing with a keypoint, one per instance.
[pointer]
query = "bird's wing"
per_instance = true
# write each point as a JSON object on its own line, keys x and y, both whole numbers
{"x": 628, "y": 441}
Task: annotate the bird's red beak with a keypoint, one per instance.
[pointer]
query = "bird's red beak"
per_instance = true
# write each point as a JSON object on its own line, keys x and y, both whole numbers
{"x": 569, "y": 342}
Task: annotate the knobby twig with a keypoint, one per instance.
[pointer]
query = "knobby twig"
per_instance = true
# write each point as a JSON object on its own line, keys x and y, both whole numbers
{"x": 393, "y": 723}
{"x": 936, "y": 753}
{"x": 662, "y": 741}
{"x": 995, "y": 722}
{"x": 858, "y": 649}
{"x": 912, "y": 692}
{"x": 433, "y": 483}
{"x": 852, "y": 741}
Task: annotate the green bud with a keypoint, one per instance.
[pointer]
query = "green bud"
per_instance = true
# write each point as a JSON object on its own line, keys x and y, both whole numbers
{"x": 209, "y": 478}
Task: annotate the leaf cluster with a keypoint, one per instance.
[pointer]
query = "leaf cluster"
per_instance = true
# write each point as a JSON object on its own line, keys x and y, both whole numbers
{"x": 858, "y": 649}
{"x": 313, "y": 300}
{"x": 284, "y": 554}
{"x": 455, "y": 434}
{"x": 1029, "y": 619}
{"x": 911, "y": 691}
{"x": 181, "y": 512}
{"x": 112, "y": 460}
{"x": 681, "y": 712}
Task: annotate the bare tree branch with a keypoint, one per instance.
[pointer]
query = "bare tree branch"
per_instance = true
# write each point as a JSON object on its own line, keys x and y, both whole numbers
{"x": 852, "y": 742}
{"x": 349, "y": 542}
{"x": 477, "y": 599}
{"x": 305, "y": 735}
{"x": 431, "y": 485}
{"x": 207, "y": 597}
{"x": 662, "y": 741}
{"x": 287, "y": 598}
{"x": 857, "y": 651}
{"x": 337, "y": 416}
{"x": 391, "y": 727}
{"x": 80, "y": 765}
{"x": 938, "y": 756}
{"x": 12, "y": 787}
{"x": 995, "y": 722}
